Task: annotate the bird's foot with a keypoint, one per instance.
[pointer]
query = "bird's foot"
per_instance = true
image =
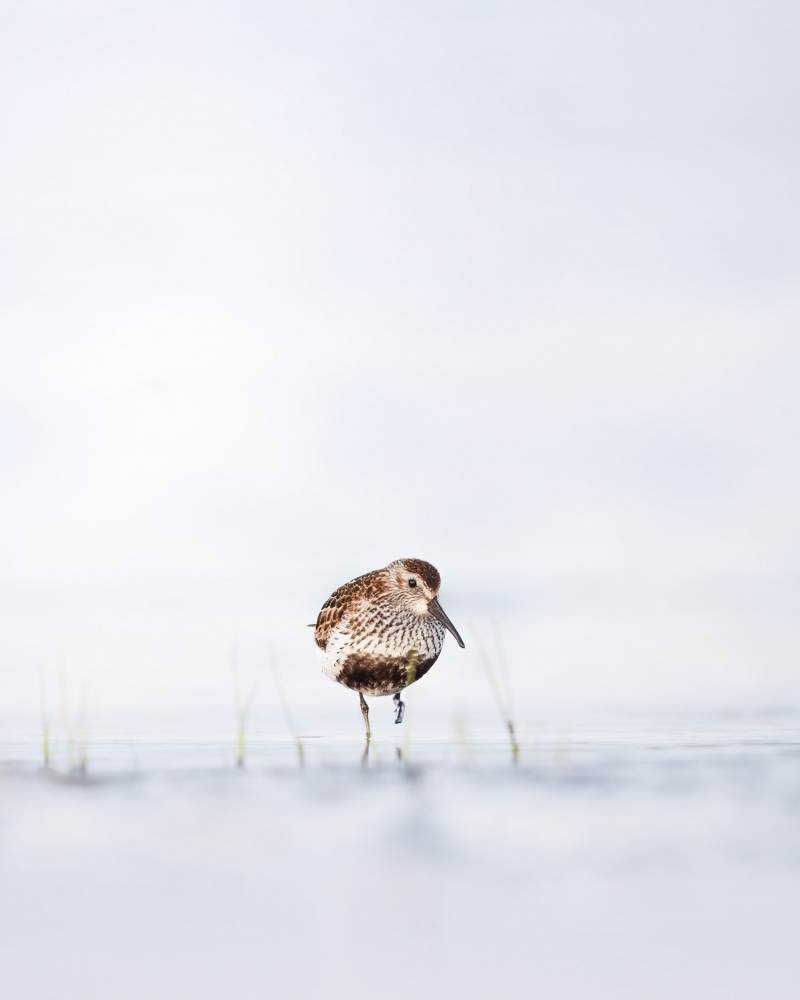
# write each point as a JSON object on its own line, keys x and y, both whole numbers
{"x": 401, "y": 708}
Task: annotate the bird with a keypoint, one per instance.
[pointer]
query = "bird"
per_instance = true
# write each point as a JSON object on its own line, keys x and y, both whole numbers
{"x": 384, "y": 630}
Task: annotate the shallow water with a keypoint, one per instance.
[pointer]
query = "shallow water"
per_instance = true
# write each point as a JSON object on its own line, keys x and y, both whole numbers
{"x": 623, "y": 856}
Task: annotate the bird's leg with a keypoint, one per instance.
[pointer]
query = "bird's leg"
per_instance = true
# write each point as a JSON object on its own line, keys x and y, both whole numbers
{"x": 365, "y": 713}
{"x": 400, "y": 705}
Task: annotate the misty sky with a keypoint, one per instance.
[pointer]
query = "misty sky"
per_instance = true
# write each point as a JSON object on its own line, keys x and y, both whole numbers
{"x": 292, "y": 290}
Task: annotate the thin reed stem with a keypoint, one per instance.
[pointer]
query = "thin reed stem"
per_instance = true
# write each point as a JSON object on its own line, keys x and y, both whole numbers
{"x": 504, "y": 672}
{"x": 413, "y": 660}
{"x": 83, "y": 740}
{"x": 460, "y": 735}
{"x": 498, "y": 695}
{"x": 287, "y": 713}
{"x": 242, "y": 708}
{"x": 45, "y": 718}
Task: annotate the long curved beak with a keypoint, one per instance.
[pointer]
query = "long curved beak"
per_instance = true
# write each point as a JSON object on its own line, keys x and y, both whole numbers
{"x": 435, "y": 609}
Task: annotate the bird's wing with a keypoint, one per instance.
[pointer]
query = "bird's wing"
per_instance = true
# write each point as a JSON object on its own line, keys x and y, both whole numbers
{"x": 332, "y": 612}
{"x": 343, "y": 601}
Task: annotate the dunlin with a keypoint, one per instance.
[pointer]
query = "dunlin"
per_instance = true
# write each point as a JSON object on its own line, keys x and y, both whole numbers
{"x": 383, "y": 631}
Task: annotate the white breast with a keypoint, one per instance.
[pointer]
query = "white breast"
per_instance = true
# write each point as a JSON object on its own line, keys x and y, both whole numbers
{"x": 369, "y": 628}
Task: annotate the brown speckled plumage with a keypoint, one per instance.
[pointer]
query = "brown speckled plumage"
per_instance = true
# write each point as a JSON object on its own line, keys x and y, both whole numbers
{"x": 383, "y": 630}
{"x": 363, "y": 587}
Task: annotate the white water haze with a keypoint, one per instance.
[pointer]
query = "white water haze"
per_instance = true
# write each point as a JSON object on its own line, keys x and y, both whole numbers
{"x": 292, "y": 290}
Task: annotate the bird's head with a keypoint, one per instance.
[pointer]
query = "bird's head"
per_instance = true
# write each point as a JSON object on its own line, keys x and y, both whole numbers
{"x": 414, "y": 584}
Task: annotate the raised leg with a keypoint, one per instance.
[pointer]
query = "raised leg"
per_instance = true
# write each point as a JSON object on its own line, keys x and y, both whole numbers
{"x": 365, "y": 713}
{"x": 401, "y": 708}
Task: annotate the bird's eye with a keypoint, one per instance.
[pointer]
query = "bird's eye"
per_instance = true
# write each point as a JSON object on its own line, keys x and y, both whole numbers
{"x": 412, "y": 583}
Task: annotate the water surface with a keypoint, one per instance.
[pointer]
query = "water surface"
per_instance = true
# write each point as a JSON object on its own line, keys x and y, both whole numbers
{"x": 618, "y": 856}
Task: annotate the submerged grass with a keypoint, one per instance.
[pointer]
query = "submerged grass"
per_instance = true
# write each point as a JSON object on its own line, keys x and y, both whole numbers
{"x": 67, "y": 737}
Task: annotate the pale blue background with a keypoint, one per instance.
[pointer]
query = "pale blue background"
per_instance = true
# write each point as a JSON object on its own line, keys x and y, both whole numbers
{"x": 291, "y": 290}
